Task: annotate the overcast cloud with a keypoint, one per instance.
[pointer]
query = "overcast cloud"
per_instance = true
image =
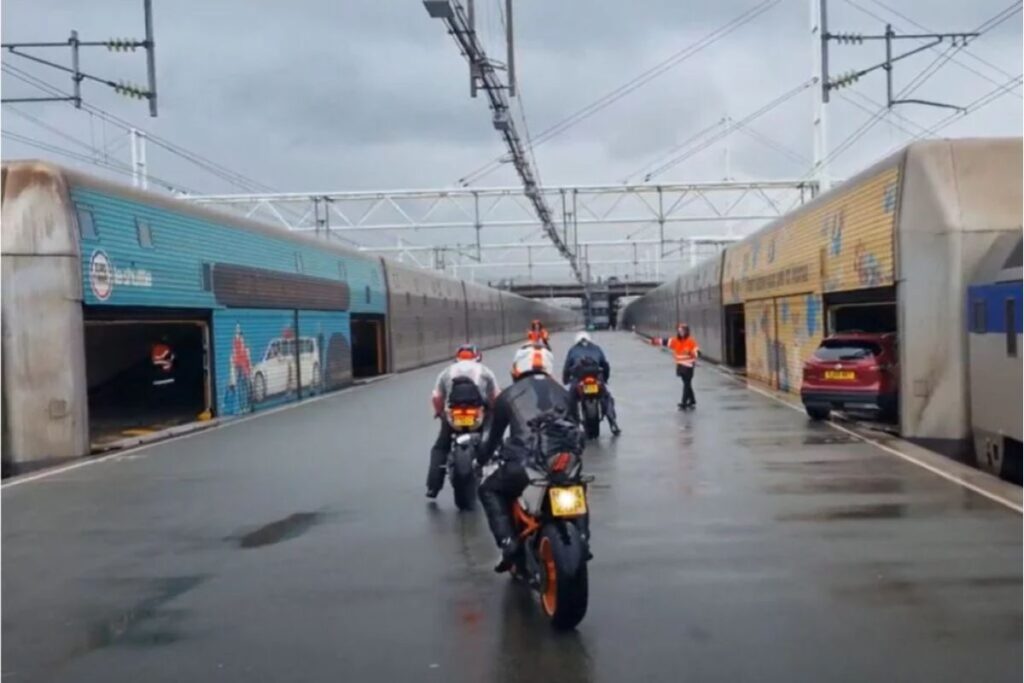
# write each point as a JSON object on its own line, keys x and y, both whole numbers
{"x": 373, "y": 93}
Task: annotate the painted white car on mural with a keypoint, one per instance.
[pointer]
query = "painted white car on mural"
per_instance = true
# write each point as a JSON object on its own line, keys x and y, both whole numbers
{"x": 276, "y": 373}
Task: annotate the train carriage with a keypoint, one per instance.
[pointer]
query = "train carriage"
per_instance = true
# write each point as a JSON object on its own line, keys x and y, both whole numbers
{"x": 98, "y": 276}
{"x": 890, "y": 251}
{"x": 994, "y": 324}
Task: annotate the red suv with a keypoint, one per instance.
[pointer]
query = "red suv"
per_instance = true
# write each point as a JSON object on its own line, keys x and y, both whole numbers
{"x": 852, "y": 370}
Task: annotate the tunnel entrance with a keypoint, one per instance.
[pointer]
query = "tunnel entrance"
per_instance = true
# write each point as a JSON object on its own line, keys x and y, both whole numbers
{"x": 867, "y": 310}
{"x": 368, "y": 355}
{"x": 131, "y": 395}
{"x": 735, "y": 336}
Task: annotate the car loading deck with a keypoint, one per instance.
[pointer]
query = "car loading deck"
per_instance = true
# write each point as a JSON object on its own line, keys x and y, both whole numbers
{"x": 736, "y": 542}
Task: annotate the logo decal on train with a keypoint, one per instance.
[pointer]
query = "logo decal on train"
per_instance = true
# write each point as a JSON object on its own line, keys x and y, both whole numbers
{"x": 103, "y": 275}
{"x": 101, "y": 279}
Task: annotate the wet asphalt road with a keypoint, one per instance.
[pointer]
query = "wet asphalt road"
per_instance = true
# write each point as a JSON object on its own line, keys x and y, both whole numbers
{"x": 735, "y": 543}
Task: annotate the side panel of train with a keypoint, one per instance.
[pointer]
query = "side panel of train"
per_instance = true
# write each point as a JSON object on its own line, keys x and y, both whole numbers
{"x": 889, "y": 250}
{"x": 95, "y": 276}
{"x": 994, "y": 341}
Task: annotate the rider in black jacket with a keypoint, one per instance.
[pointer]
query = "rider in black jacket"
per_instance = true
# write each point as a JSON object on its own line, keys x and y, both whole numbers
{"x": 532, "y": 393}
{"x": 584, "y": 355}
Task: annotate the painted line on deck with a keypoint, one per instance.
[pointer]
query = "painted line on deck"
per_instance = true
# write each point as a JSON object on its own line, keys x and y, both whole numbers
{"x": 949, "y": 476}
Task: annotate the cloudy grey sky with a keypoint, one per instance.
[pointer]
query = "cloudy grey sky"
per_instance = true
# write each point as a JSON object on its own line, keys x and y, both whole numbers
{"x": 373, "y": 94}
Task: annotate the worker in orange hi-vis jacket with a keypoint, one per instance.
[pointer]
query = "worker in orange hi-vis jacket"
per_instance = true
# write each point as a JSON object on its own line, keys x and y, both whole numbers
{"x": 685, "y": 350}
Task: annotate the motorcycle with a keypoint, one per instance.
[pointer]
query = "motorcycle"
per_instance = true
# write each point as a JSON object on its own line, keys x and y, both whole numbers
{"x": 590, "y": 390}
{"x": 549, "y": 517}
{"x": 467, "y": 432}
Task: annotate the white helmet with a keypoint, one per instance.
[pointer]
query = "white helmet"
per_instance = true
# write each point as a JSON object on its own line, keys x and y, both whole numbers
{"x": 583, "y": 337}
{"x": 532, "y": 358}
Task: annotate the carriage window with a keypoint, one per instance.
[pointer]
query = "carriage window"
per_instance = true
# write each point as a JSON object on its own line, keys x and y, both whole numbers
{"x": 86, "y": 225}
{"x": 1011, "y": 328}
{"x": 144, "y": 234}
{"x": 978, "y": 324}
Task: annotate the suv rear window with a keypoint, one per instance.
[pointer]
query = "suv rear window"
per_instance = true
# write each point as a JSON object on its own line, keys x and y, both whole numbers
{"x": 846, "y": 349}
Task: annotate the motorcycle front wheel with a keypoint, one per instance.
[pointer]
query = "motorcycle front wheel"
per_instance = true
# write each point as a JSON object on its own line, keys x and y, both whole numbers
{"x": 564, "y": 585}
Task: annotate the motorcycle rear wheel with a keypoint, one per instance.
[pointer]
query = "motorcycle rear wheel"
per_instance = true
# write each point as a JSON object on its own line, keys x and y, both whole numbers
{"x": 592, "y": 420}
{"x": 564, "y": 589}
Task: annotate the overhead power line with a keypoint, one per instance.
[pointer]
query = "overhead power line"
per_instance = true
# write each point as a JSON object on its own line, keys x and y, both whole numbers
{"x": 630, "y": 86}
{"x": 731, "y": 128}
{"x": 922, "y": 27}
{"x": 233, "y": 177}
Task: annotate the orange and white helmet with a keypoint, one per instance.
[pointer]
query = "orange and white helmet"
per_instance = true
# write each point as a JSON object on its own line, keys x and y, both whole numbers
{"x": 532, "y": 358}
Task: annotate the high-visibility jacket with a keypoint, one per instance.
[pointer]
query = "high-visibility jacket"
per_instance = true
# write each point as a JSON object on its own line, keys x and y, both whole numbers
{"x": 534, "y": 336}
{"x": 162, "y": 357}
{"x": 684, "y": 350}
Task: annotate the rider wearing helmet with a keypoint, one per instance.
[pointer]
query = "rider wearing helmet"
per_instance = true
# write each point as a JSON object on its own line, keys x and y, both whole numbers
{"x": 468, "y": 365}
{"x": 533, "y": 392}
{"x": 586, "y": 356}
{"x": 538, "y": 334}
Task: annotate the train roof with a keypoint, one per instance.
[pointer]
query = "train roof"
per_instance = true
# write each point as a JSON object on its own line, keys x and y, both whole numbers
{"x": 1003, "y": 262}
{"x": 36, "y": 171}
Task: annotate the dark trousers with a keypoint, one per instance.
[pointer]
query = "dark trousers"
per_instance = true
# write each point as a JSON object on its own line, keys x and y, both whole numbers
{"x": 439, "y": 457}
{"x": 607, "y": 404}
{"x": 686, "y": 374}
{"x": 497, "y": 492}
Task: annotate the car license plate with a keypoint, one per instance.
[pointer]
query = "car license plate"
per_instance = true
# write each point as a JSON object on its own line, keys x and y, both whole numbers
{"x": 591, "y": 388}
{"x": 839, "y": 374}
{"x": 568, "y": 501}
{"x": 465, "y": 420}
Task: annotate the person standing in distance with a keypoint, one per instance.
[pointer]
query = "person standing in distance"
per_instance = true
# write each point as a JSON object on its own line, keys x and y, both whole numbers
{"x": 685, "y": 350}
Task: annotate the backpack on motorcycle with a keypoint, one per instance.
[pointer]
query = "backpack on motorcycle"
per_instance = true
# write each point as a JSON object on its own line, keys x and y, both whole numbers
{"x": 555, "y": 433}
{"x": 465, "y": 392}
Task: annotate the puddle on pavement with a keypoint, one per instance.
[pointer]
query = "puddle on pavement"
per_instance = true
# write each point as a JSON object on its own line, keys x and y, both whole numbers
{"x": 841, "y": 485}
{"x": 852, "y": 512}
{"x": 146, "y": 624}
{"x": 795, "y": 442}
{"x": 282, "y": 530}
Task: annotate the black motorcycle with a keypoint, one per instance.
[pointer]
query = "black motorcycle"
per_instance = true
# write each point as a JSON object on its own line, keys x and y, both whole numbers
{"x": 467, "y": 432}
{"x": 551, "y": 519}
{"x": 590, "y": 391}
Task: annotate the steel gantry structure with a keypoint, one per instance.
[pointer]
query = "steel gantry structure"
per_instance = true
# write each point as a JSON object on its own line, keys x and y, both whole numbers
{"x": 475, "y": 229}
{"x": 686, "y": 217}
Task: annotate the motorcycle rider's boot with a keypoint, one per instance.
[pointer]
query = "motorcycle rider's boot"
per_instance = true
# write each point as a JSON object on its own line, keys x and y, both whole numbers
{"x": 583, "y": 524}
{"x": 435, "y": 475}
{"x": 616, "y": 430}
{"x": 509, "y": 550}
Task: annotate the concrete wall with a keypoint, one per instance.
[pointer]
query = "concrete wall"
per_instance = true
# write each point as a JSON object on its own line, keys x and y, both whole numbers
{"x": 957, "y": 198}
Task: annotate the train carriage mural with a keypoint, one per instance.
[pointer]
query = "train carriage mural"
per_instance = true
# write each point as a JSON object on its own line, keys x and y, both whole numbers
{"x": 96, "y": 275}
{"x": 889, "y": 250}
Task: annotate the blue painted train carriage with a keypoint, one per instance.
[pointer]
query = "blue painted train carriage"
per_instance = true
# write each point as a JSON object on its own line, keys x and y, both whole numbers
{"x": 276, "y": 307}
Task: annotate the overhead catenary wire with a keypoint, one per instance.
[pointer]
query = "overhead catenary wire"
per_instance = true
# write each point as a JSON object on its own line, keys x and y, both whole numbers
{"x": 966, "y": 53}
{"x": 633, "y": 84}
{"x": 218, "y": 170}
{"x": 731, "y": 128}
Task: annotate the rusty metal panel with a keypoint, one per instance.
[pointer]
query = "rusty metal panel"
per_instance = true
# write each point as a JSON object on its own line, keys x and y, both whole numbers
{"x": 958, "y": 198}
{"x": 45, "y": 411}
{"x": 798, "y": 333}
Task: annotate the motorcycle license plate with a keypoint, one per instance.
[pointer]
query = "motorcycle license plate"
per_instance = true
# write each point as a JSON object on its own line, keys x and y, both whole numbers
{"x": 839, "y": 374}
{"x": 591, "y": 388}
{"x": 568, "y": 501}
{"x": 464, "y": 420}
